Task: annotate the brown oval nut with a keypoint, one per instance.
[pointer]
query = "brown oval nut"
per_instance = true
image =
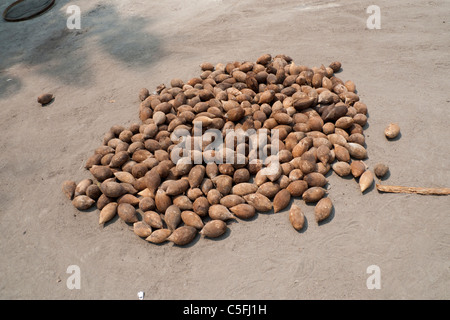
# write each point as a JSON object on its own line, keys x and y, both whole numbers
{"x": 344, "y": 122}
{"x": 323, "y": 154}
{"x": 223, "y": 184}
{"x": 315, "y": 179}
{"x": 183, "y": 202}
{"x": 366, "y": 180}
{"x": 138, "y": 170}
{"x": 184, "y": 166}
{"x": 128, "y": 188}
{"x": 380, "y": 170}
{"x": 127, "y": 213}
{"x": 241, "y": 175}
{"x": 341, "y": 168}
{"x": 341, "y": 153}
{"x": 152, "y": 180}
{"x": 142, "y": 229}
{"x": 269, "y": 189}
{"x": 235, "y": 114}
{"x": 82, "y": 202}
{"x": 357, "y": 138}
{"x": 357, "y": 168}
{"x": 68, "y": 188}
{"x": 147, "y": 204}
{"x": 112, "y": 189}
{"x": 241, "y": 189}
{"x": 313, "y": 194}
{"x": 106, "y": 159}
{"x": 219, "y": 212}
{"x": 196, "y": 176}
{"x": 153, "y": 219}
{"x": 296, "y": 217}
{"x": 259, "y": 202}
{"x": 243, "y": 211}
{"x": 201, "y": 206}
{"x": 123, "y": 176}
{"x": 297, "y": 188}
{"x": 296, "y": 174}
{"x": 143, "y": 94}
{"x": 213, "y": 196}
{"x": 159, "y": 236}
{"x": 177, "y": 187}
{"x": 103, "y": 150}
{"x": 266, "y": 97}
{"x": 129, "y": 198}
{"x": 283, "y": 118}
{"x": 335, "y": 66}
{"x": 108, "y": 212}
{"x": 211, "y": 170}
{"x": 93, "y": 160}
{"x": 307, "y": 166}
{"x": 323, "y": 209}
{"x": 337, "y": 139}
{"x": 119, "y": 159}
{"x": 281, "y": 200}
{"x": 45, "y": 98}
{"x": 101, "y": 173}
{"x": 360, "y": 119}
{"x": 231, "y": 200}
{"x": 93, "y": 192}
{"x": 356, "y": 151}
{"x": 392, "y": 131}
{"x": 192, "y": 219}
{"x": 214, "y": 229}
{"x": 194, "y": 193}
{"x": 103, "y": 201}
{"x": 82, "y": 186}
{"x": 183, "y": 235}
{"x": 172, "y": 217}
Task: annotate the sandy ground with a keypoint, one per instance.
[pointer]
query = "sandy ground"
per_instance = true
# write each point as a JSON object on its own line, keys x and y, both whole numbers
{"x": 401, "y": 73}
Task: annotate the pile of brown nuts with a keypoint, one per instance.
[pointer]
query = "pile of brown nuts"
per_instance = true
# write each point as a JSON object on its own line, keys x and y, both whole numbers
{"x": 243, "y": 137}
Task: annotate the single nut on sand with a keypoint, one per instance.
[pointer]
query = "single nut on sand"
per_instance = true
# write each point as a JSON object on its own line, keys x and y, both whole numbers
{"x": 392, "y": 131}
{"x": 366, "y": 180}
{"x": 296, "y": 217}
{"x": 323, "y": 209}
{"x": 45, "y": 98}
{"x": 380, "y": 170}
{"x": 68, "y": 188}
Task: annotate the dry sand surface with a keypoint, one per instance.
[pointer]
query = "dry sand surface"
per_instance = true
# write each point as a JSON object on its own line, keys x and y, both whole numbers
{"x": 401, "y": 72}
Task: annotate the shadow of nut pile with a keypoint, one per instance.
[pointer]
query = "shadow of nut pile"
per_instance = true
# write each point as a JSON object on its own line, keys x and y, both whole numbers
{"x": 319, "y": 123}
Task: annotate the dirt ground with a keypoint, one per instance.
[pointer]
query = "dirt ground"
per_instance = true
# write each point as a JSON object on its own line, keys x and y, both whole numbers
{"x": 401, "y": 72}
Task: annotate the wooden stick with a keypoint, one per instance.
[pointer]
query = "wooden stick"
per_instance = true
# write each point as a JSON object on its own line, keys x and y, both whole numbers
{"x": 400, "y": 189}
